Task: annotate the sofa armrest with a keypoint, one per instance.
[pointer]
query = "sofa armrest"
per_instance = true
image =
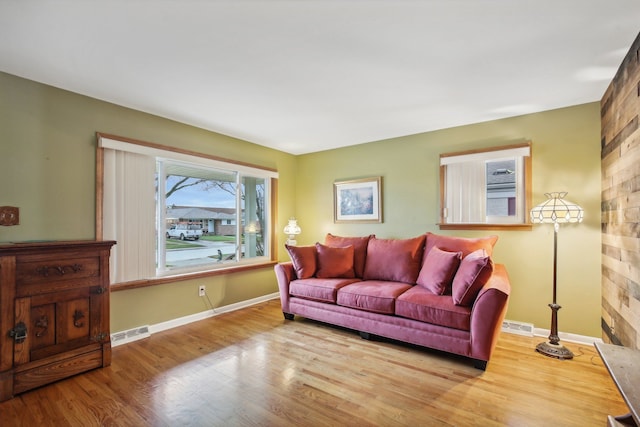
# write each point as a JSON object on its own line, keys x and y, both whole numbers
{"x": 488, "y": 313}
{"x": 285, "y": 273}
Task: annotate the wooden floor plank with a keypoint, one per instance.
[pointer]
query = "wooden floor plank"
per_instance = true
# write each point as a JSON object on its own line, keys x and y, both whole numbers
{"x": 252, "y": 368}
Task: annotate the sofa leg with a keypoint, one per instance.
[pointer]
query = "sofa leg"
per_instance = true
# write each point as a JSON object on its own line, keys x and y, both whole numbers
{"x": 288, "y": 316}
{"x": 480, "y": 364}
{"x": 365, "y": 335}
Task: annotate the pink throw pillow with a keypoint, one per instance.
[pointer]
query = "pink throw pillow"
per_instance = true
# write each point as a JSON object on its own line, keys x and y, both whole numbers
{"x": 304, "y": 260}
{"x": 438, "y": 270}
{"x": 396, "y": 260}
{"x": 334, "y": 262}
{"x": 359, "y": 249}
{"x": 474, "y": 272}
{"x": 460, "y": 244}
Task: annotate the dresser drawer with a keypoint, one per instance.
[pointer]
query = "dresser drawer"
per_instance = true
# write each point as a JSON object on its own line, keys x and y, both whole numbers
{"x": 35, "y": 275}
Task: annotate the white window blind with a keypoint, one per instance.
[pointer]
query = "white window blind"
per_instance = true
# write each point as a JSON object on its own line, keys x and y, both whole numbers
{"x": 128, "y": 212}
{"x": 465, "y": 192}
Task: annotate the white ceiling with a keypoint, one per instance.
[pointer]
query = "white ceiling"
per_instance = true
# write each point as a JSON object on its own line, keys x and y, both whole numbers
{"x": 309, "y": 75}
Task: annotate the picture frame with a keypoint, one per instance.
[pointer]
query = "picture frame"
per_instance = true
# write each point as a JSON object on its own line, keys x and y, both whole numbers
{"x": 357, "y": 200}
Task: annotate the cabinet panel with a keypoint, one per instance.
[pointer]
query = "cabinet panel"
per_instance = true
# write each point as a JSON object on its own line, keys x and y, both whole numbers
{"x": 43, "y": 318}
{"x": 58, "y": 368}
{"x": 76, "y": 319}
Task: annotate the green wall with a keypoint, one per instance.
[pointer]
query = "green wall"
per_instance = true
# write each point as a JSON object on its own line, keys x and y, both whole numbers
{"x": 566, "y": 157}
{"x": 47, "y": 168}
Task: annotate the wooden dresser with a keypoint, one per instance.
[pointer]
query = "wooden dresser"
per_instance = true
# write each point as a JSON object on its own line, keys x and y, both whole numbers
{"x": 54, "y": 312}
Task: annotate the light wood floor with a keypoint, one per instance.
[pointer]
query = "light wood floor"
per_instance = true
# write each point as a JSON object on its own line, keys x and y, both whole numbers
{"x": 252, "y": 368}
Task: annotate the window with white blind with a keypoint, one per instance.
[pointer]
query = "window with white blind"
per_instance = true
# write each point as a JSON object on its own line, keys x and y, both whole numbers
{"x": 486, "y": 188}
{"x": 174, "y": 212}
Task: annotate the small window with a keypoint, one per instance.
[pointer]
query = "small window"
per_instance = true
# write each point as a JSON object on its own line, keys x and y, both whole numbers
{"x": 486, "y": 189}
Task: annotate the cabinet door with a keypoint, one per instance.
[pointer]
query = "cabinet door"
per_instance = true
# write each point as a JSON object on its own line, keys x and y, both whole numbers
{"x": 58, "y": 322}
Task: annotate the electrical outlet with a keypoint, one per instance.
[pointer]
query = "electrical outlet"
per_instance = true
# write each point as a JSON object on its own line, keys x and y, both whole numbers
{"x": 201, "y": 290}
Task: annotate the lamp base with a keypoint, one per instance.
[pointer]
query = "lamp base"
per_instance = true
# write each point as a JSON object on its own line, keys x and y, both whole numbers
{"x": 557, "y": 351}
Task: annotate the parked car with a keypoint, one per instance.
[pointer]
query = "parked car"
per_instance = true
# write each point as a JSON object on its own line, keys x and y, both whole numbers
{"x": 184, "y": 232}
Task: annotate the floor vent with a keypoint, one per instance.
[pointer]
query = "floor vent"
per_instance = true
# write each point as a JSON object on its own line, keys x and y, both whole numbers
{"x": 130, "y": 335}
{"x": 519, "y": 328}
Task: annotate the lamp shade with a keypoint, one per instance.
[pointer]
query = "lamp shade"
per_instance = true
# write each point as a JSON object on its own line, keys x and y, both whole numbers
{"x": 292, "y": 228}
{"x": 556, "y": 210}
{"x": 252, "y": 227}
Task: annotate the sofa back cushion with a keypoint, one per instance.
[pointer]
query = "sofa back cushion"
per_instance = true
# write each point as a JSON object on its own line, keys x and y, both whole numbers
{"x": 460, "y": 244}
{"x": 334, "y": 262}
{"x": 359, "y": 249}
{"x": 438, "y": 270}
{"x": 395, "y": 260}
{"x": 303, "y": 259}
{"x": 474, "y": 272}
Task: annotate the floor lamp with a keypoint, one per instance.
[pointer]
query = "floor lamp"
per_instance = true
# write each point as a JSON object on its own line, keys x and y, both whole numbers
{"x": 555, "y": 210}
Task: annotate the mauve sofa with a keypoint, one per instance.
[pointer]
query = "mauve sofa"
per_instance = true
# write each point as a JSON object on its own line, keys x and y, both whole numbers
{"x": 436, "y": 291}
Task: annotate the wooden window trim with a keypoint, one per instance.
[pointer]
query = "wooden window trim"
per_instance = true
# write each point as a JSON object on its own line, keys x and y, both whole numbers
{"x": 182, "y": 276}
{"x": 143, "y": 283}
{"x": 528, "y": 194}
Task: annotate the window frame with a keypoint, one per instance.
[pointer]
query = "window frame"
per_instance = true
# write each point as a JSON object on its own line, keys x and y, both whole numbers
{"x": 271, "y": 179}
{"x": 526, "y": 191}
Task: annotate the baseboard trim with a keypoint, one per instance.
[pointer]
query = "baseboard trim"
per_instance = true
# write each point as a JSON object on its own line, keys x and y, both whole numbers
{"x": 185, "y": 320}
{"x": 527, "y": 329}
{"x": 565, "y": 336}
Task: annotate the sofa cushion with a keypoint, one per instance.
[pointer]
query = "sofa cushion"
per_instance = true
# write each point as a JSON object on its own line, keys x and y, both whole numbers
{"x": 304, "y": 260}
{"x": 324, "y": 290}
{"x": 396, "y": 260}
{"x": 359, "y": 249}
{"x": 373, "y": 295}
{"x": 419, "y": 303}
{"x": 334, "y": 262}
{"x": 438, "y": 270}
{"x": 474, "y": 272}
{"x": 460, "y": 244}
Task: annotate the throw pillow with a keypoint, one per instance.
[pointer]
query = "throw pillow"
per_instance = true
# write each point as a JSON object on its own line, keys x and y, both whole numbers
{"x": 438, "y": 270}
{"x": 359, "y": 249}
{"x": 304, "y": 260}
{"x": 474, "y": 272}
{"x": 334, "y": 262}
{"x": 460, "y": 244}
{"x": 396, "y": 260}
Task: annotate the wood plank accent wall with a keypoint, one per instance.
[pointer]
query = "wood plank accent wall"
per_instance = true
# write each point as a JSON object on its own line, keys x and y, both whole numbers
{"x": 620, "y": 110}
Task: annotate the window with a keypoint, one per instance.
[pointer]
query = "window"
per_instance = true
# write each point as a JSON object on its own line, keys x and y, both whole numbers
{"x": 486, "y": 189}
{"x": 173, "y": 212}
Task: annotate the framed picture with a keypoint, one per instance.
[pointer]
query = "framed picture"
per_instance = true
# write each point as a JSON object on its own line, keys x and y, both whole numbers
{"x": 358, "y": 200}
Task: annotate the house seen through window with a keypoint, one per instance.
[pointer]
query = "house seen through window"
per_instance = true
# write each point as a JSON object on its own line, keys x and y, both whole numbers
{"x": 501, "y": 188}
{"x": 201, "y": 216}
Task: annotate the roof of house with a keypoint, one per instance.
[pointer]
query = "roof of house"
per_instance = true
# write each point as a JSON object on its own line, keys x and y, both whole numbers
{"x": 193, "y": 212}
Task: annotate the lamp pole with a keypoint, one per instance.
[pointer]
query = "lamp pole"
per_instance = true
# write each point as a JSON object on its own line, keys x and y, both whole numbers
{"x": 553, "y": 348}
{"x": 553, "y": 337}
